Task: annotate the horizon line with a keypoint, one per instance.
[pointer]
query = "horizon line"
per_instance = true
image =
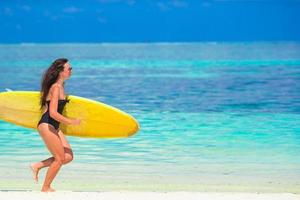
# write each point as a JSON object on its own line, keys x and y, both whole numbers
{"x": 154, "y": 42}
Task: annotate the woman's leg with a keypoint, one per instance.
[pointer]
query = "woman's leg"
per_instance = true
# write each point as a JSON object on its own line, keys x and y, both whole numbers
{"x": 35, "y": 167}
{"x": 67, "y": 147}
{"x": 54, "y": 145}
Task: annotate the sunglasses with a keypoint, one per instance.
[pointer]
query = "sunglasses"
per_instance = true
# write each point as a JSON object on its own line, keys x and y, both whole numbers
{"x": 70, "y": 69}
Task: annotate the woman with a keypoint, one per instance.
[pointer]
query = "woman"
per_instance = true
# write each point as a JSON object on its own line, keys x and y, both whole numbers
{"x": 53, "y": 99}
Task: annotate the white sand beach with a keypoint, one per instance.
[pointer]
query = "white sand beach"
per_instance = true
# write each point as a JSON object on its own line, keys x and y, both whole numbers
{"x": 69, "y": 195}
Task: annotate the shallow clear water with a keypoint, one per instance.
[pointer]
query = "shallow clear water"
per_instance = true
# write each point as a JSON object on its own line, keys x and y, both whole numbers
{"x": 218, "y": 116}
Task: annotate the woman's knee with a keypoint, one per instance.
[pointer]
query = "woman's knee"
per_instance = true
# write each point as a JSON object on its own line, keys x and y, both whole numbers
{"x": 68, "y": 158}
{"x": 68, "y": 155}
{"x": 59, "y": 159}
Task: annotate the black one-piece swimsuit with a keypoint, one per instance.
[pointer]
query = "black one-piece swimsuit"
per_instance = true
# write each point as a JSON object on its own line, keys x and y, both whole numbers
{"x": 46, "y": 116}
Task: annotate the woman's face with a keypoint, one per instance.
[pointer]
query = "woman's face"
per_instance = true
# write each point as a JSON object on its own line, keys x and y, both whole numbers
{"x": 67, "y": 70}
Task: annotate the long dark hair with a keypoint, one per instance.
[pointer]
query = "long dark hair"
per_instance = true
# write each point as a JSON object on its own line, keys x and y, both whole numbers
{"x": 50, "y": 76}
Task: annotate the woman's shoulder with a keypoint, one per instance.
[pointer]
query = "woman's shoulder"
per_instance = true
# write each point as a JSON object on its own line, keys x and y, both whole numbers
{"x": 56, "y": 87}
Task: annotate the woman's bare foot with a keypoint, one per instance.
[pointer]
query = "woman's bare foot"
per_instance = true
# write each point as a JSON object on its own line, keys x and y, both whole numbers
{"x": 35, "y": 172}
{"x": 47, "y": 189}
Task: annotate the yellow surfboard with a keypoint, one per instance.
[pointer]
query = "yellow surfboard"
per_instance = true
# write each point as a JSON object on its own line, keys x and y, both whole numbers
{"x": 98, "y": 120}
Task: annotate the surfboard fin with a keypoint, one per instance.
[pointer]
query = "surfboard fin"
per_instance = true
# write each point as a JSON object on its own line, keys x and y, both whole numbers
{"x": 8, "y": 90}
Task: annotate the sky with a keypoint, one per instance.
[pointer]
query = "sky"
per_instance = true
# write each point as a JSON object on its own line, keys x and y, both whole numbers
{"x": 88, "y": 21}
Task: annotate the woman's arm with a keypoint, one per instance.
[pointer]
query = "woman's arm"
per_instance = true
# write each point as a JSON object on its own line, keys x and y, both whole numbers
{"x": 53, "y": 106}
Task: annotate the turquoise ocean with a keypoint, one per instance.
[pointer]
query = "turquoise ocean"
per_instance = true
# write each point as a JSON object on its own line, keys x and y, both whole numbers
{"x": 214, "y": 116}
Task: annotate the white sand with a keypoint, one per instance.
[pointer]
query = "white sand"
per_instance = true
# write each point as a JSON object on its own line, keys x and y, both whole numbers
{"x": 68, "y": 195}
